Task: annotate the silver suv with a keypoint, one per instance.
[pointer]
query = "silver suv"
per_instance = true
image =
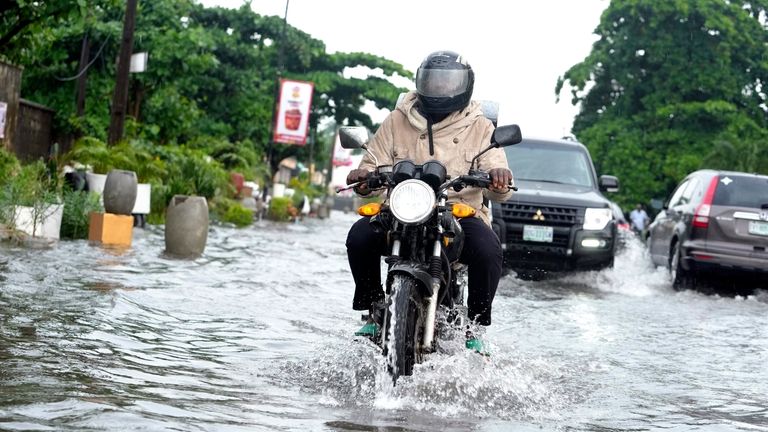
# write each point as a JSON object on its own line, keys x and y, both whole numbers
{"x": 714, "y": 221}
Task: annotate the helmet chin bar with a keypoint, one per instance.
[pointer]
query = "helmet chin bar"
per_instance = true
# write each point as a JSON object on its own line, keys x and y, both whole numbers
{"x": 444, "y": 105}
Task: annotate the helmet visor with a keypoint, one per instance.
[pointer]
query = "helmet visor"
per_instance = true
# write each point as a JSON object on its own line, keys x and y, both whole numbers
{"x": 441, "y": 82}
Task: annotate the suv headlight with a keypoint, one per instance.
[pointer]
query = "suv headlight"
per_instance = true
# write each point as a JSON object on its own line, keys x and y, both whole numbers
{"x": 597, "y": 218}
{"x": 412, "y": 201}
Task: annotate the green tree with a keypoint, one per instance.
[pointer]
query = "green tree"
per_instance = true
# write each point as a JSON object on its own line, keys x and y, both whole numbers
{"x": 211, "y": 75}
{"x": 667, "y": 86}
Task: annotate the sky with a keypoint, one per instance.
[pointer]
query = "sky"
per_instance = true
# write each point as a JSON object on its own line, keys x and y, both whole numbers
{"x": 517, "y": 48}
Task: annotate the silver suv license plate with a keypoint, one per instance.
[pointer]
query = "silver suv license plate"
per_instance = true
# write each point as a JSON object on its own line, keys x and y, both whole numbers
{"x": 758, "y": 228}
{"x": 537, "y": 233}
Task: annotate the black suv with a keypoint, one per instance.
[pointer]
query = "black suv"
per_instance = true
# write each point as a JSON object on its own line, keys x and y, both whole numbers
{"x": 558, "y": 219}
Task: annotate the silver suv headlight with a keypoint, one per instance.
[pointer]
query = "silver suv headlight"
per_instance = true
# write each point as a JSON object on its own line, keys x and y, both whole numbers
{"x": 412, "y": 201}
{"x": 597, "y": 218}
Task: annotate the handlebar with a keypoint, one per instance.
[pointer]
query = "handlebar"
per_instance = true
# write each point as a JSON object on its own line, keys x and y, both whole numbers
{"x": 479, "y": 179}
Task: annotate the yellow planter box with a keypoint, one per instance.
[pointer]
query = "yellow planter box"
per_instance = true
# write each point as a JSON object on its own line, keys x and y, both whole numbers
{"x": 112, "y": 229}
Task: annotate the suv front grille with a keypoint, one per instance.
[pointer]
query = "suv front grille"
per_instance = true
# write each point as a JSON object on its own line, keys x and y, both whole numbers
{"x": 552, "y": 215}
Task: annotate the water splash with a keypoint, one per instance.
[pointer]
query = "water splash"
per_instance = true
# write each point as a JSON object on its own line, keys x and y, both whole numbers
{"x": 452, "y": 383}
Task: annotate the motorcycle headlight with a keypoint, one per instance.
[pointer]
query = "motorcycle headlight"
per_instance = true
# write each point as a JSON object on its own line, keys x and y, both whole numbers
{"x": 597, "y": 218}
{"x": 412, "y": 201}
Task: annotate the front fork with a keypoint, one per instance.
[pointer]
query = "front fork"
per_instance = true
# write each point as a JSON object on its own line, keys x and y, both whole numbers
{"x": 395, "y": 252}
{"x": 437, "y": 253}
{"x": 431, "y": 312}
{"x": 429, "y": 322}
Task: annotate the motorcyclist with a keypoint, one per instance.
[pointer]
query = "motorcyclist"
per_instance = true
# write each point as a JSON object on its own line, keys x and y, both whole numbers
{"x": 438, "y": 121}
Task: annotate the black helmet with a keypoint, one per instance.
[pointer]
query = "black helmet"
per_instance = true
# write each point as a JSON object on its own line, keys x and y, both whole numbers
{"x": 444, "y": 82}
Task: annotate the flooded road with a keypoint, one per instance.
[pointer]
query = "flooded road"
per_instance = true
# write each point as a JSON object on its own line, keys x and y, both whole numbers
{"x": 256, "y": 335}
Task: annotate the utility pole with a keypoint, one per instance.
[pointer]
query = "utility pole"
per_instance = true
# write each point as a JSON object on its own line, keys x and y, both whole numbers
{"x": 312, "y": 143}
{"x": 277, "y": 88}
{"x": 83, "y": 75}
{"x": 120, "y": 96}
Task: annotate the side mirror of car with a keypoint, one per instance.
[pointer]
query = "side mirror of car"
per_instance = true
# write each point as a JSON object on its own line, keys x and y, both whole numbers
{"x": 609, "y": 183}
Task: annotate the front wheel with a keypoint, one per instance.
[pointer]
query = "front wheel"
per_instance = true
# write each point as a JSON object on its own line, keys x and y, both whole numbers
{"x": 403, "y": 327}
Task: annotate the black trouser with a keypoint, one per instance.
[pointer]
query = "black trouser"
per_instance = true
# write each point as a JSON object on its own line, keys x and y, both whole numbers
{"x": 481, "y": 253}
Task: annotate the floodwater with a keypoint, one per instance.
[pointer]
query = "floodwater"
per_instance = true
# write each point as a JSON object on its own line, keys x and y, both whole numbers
{"x": 256, "y": 335}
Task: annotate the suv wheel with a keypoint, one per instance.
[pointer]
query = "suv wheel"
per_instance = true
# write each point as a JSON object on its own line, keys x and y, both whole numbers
{"x": 681, "y": 278}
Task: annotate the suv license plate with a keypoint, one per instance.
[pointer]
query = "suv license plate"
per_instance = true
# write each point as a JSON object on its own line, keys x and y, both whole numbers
{"x": 758, "y": 228}
{"x": 537, "y": 233}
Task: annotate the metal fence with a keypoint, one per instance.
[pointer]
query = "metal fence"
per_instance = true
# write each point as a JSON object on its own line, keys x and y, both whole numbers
{"x": 34, "y": 131}
{"x": 26, "y": 128}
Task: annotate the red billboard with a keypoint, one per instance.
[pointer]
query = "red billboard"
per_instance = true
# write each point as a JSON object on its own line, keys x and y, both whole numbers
{"x": 292, "y": 122}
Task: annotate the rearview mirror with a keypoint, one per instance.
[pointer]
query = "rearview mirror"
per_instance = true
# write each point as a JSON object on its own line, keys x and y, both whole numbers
{"x": 505, "y": 136}
{"x": 353, "y": 137}
{"x": 609, "y": 183}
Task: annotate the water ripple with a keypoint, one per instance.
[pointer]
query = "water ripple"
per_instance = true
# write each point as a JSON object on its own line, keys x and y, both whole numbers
{"x": 255, "y": 334}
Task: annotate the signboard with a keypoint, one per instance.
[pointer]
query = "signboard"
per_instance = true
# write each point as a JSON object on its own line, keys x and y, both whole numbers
{"x": 292, "y": 122}
{"x": 3, "y": 111}
{"x": 139, "y": 62}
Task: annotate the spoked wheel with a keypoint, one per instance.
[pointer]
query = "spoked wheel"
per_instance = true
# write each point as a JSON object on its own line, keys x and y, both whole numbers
{"x": 681, "y": 278}
{"x": 404, "y": 327}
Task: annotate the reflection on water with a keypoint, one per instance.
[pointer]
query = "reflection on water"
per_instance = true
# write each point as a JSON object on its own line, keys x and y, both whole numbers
{"x": 256, "y": 334}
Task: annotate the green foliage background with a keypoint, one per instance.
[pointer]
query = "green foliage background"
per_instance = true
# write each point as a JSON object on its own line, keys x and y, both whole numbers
{"x": 211, "y": 78}
{"x": 671, "y": 87}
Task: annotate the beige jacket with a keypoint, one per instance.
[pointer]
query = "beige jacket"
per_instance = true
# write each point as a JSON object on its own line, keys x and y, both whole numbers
{"x": 457, "y": 139}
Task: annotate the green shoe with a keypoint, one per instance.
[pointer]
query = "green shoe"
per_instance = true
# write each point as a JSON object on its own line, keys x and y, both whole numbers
{"x": 370, "y": 329}
{"x": 476, "y": 344}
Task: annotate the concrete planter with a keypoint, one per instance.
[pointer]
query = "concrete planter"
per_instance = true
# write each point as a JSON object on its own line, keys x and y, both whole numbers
{"x": 186, "y": 226}
{"x": 120, "y": 192}
{"x": 42, "y": 222}
{"x": 143, "y": 198}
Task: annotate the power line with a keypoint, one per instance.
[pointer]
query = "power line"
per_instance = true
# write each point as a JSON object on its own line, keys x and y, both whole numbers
{"x": 86, "y": 66}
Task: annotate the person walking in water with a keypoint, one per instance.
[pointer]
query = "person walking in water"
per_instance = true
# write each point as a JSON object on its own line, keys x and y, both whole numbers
{"x": 639, "y": 219}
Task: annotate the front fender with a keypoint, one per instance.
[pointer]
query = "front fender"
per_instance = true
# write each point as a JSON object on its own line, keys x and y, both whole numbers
{"x": 416, "y": 271}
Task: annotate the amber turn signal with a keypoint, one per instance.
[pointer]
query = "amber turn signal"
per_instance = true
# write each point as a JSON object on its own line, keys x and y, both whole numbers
{"x": 462, "y": 210}
{"x": 369, "y": 209}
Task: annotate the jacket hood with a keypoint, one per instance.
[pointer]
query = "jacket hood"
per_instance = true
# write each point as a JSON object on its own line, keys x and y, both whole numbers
{"x": 456, "y": 119}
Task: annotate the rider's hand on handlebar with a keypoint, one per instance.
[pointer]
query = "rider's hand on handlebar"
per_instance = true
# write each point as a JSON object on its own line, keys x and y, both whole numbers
{"x": 358, "y": 175}
{"x": 501, "y": 178}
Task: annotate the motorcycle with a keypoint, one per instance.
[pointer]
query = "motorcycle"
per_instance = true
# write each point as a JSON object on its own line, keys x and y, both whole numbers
{"x": 426, "y": 239}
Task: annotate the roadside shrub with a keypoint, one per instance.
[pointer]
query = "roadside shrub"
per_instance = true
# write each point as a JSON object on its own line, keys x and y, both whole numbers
{"x": 31, "y": 186}
{"x": 9, "y": 165}
{"x": 238, "y": 215}
{"x": 229, "y": 210}
{"x": 280, "y": 209}
{"x": 77, "y": 207}
{"x": 191, "y": 172}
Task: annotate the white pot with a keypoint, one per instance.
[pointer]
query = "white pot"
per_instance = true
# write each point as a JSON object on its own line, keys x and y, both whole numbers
{"x": 278, "y": 190}
{"x": 143, "y": 198}
{"x": 96, "y": 182}
{"x": 48, "y": 220}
